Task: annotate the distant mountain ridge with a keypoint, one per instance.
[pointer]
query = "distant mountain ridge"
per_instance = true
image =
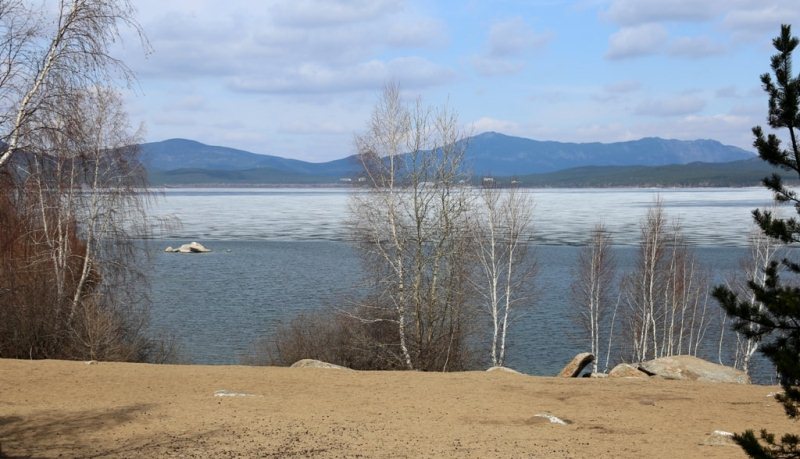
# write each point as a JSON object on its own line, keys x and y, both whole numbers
{"x": 174, "y": 154}
{"x": 500, "y": 154}
{"x": 185, "y": 162}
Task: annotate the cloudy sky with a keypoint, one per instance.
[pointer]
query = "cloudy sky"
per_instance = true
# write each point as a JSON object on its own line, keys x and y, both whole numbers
{"x": 298, "y": 78}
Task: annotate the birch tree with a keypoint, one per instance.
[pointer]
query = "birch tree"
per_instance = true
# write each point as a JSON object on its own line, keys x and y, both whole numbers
{"x": 762, "y": 250}
{"x": 83, "y": 204}
{"x": 592, "y": 287}
{"x": 48, "y": 57}
{"x": 501, "y": 236}
{"x": 666, "y": 294}
{"x": 74, "y": 191}
{"x": 411, "y": 223}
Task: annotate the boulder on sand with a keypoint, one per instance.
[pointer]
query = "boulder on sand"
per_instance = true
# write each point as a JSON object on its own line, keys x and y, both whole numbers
{"x": 624, "y": 370}
{"x": 311, "y": 363}
{"x": 687, "y": 367}
{"x": 504, "y": 370}
{"x": 574, "y": 367}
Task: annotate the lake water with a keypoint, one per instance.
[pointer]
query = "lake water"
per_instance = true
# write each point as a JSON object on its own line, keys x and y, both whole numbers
{"x": 278, "y": 252}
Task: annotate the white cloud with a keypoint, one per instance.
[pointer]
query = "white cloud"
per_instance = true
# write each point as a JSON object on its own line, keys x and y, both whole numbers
{"x": 617, "y": 91}
{"x": 695, "y": 47}
{"x": 672, "y": 106}
{"x": 728, "y": 92}
{"x": 489, "y": 66}
{"x": 622, "y": 87}
{"x": 486, "y": 124}
{"x": 734, "y": 129}
{"x": 410, "y": 72}
{"x": 636, "y": 12}
{"x": 509, "y": 41}
{"x": 315, "y": 13}
{"x": 189, "y": 103}
{"x": 513, "y": 37}
{"x": 641, "y": 40}
{"x": 416, "y": 32}
{"x": 762, "y": 17}
{"x": 323, "y": 127}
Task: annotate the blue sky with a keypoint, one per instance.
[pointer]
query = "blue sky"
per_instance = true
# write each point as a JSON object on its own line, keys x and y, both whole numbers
{"x": 298, "y": 78}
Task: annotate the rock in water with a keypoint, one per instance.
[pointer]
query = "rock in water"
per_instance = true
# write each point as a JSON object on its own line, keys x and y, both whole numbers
{"x": 198, "y": 248}
{"x": 574, "y": 368}
{"x": 687, "y": 367}
{"x": 624, "y": 370}
{"x": 311, "y": 363}
{"x": 194, "y": 247}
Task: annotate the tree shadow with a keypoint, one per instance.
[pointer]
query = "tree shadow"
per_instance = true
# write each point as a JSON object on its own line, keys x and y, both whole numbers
{"x": 53, "y": 432}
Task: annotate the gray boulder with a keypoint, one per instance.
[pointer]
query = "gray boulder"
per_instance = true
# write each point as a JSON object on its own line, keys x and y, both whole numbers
{"x": 576, "y": 365}
{"x": 687, "y": 367}
{"x": 311, "y": 363}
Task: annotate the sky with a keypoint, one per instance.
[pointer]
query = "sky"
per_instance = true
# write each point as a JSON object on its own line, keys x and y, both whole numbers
{"x": 299, "y": 78}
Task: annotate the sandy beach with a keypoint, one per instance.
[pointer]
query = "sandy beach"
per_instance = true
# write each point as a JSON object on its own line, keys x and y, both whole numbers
{"x": 73, "y": 409}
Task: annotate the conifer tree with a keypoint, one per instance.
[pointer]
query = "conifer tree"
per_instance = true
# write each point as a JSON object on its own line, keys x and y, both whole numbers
{"x": 774, "y": 316}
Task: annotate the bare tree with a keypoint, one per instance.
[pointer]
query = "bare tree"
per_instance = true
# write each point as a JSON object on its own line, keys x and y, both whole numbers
{"x": 501, "y": 233}
{"x": 47, "y": 58}
{"x": 74, "y": 190}
{"x": 410, "y": 222}
{"x": 592, "y": 286}
{"x": 666, "y": 294}
{"x": 763, "y": 250}
{"x": 83, "y": 203}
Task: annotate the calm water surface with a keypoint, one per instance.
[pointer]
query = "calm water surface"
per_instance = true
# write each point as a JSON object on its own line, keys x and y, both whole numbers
{"x": 278, "y": 252}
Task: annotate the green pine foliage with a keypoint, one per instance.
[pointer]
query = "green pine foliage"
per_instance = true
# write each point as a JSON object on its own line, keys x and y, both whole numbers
{"x": 774, "y": 316}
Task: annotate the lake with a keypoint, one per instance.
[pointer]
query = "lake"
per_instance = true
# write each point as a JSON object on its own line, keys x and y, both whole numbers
{"x": 278, "y": 252}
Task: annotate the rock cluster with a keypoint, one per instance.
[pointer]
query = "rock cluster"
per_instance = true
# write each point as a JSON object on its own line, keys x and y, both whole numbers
{"x": 680, "y": 367}
{"x": 687, "y": 367}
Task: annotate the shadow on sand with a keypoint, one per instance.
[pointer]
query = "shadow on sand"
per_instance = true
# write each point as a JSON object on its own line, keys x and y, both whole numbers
{"x": 69, "y": 433}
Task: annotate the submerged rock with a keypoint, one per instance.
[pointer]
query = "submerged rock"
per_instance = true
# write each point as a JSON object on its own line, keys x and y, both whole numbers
{"x": 576, "y": 365}
{"x": 687, "y": 367}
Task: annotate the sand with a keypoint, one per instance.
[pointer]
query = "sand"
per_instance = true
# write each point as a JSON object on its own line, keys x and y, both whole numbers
{"x": 72, "y": 409}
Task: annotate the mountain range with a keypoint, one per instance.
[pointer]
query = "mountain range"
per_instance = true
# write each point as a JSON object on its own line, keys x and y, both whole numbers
{"x": 186, "y": 162}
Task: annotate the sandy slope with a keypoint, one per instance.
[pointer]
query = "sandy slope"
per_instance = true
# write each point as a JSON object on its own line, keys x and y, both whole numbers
{"x": 51, "y": 408}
